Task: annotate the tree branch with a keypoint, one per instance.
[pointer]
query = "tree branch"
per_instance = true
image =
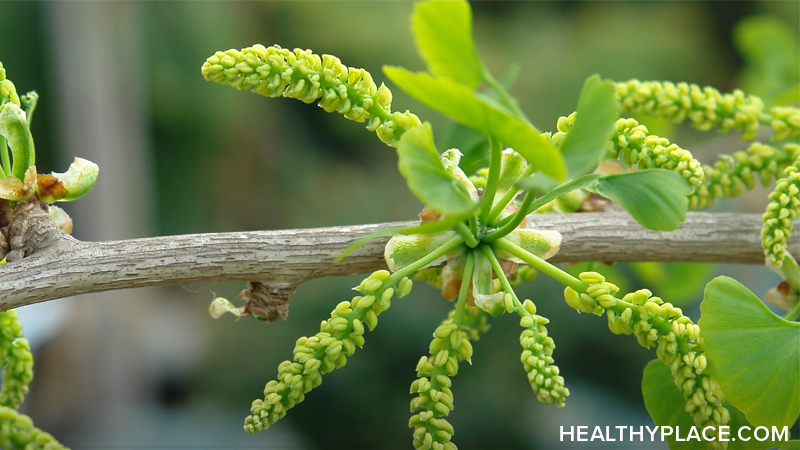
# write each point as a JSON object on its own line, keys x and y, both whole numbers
{"x": 286, "y": 258}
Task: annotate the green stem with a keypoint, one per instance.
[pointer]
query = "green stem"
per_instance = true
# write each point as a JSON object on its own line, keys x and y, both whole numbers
{"x": 467, "y": 235}
{"x": 463, "y": 292}
{"x": 540, "y": 265}
{"x": 6, "y": 162}
{"x": 794, "y": 312}
{"x": 424, "y": 261}
{"x": 501, "y": 204}
{"x": 513, "y": 223}
{"x": 491, "y": 181}
{"x": 473, "y": 225}
{"x": 498, "y": 270}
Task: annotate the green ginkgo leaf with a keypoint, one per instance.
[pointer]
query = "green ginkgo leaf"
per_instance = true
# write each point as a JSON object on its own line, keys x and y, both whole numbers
{"x": 656, "y": 198}
{"x": 14, "y": 127}
{"x": 443, "y": 31}
{"x": 752, "y": 353}
{"x": 464, "y": 106}
{"x": 587, "y": 140}
{"x": 666, "y": 405}
{"x": 427, "y": 177}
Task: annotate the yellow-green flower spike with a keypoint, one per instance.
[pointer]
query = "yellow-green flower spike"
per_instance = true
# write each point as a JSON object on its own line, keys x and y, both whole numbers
{"x": 17, "y": 433}
{"x": 732, "y": 175}
{"x": 785, "y": 120}
{"x": 705, "y": 107}
{"x": 8, "y": 93}
{"x": 17, "y": 374}
{"x": 679, "y": 345}
{"x": 314, "y": 356}
{"x": 537, "y": 359}
{"x": 636, "y": 146}
{"x": 275, "y": 71}
{"x": 781, "y": 212}
{"x": 434, "y": 399}
{"x": 16, "y": 356}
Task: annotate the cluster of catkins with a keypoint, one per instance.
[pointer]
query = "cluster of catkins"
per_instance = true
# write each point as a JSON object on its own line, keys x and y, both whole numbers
{"x": 781, "y": 212}
{"x": 658, "y": 323}
{"x": 632, "y": 142}
{"x": 434, "y": 400}
{"x": 275, "y": 71}
{"x": 537, "y": 353}
{"x": 314, "y": 356}
{"x": 17, "y": 430}
{"x": 707, "y": 108}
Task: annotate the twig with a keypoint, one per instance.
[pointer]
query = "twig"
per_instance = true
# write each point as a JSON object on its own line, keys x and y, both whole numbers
{"x": 286, "y": 258}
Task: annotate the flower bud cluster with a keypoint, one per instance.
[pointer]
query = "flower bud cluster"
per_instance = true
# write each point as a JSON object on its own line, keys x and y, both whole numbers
{"x": 632, "y": 141}
{"x": 8, "y": 93}
{"x": 17, "y": 374}
{"x": 327, "y": 350}
{"x": 275, "y": 71}
{"x": 537, "y": 355}
{"x": 785, "y": 120}
{"x": 731, "y": 175}
{"x": 781, "y": 212}
{"x": 705, "y": 107}
{"x": 17, "y": 432}
{"x": 16, "y": 356}
{"x": 656, "y": 323}
{"x": 434, "y": 400}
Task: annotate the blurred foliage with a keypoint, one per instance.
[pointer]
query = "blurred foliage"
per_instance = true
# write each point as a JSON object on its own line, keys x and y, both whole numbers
{"x": 233, "y": 151}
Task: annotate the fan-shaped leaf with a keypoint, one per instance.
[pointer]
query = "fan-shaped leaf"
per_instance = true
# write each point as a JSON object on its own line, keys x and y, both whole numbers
{"x": 427, "y": 178}
{"x": 443, "y": 31}
{"x": 753, "y": 354}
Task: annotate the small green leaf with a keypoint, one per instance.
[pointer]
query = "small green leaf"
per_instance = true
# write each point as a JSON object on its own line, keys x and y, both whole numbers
{"x": 790, "y": 445}
{"x": 14, "y": 128}
{"x": 73, "y": 184}
{"x": 666, "y": 405}
{"x": 656, "y": 198}
{"x": 443, "y": 31}
{"x": 587, "y": 140}
{"x": 752, "y": 353}
{"x": 427, "y": 178}
{"x": 464, "y": 106}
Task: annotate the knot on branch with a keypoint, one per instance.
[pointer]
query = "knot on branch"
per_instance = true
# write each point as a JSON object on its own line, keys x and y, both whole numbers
{"x": 28, "y": 228}
{"x": 265, "y": 301}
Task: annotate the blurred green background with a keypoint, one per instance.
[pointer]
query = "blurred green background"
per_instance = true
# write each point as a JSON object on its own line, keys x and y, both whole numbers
{"x": 120, "y": 84}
